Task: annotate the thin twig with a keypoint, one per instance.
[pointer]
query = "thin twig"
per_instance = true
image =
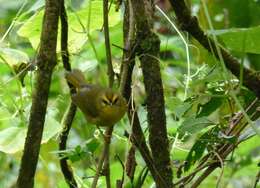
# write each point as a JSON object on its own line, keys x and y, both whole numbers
{"x": 107, "y": 137}
{"x": 106, "y": 168}
{"x": 222, "y": 168}
{"x": 257, "y": 179}
{"x": 120, "y": 183}
{"x": 69, "y": 116}
{"x": 65, "y": 167}
{"x": 205, "y": 174}
{"x": 110, "y": 70}
{"x": 105, "y": 154}
{"x": 184, "y": 179}
{"x": 110, "y": 73}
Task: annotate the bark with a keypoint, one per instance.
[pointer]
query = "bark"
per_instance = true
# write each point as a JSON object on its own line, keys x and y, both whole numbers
{"x": 136, "y": 137}
{"x": 148, "y": 50}
{"x": 67, "y": 124}
{"x": 46, "y": 61}
{"x": 190, "y": 24}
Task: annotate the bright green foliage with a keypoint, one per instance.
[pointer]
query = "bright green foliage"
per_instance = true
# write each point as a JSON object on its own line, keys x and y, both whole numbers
{"x": 241, "y": 40}
{"x": 81, "y": 24}
{"x": 195, "y": 124}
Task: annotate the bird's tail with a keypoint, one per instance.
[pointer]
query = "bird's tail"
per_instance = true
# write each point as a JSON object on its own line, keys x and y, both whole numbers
{"x": 76, "y": 78}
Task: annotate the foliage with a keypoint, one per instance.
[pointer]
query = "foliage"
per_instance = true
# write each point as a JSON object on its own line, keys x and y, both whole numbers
{"x": 195, "y": 124}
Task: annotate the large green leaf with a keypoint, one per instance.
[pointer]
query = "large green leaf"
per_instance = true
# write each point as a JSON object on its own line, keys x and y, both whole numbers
{"x": 52, "y": 128}
{"x": 12, "y": 56}
{"x": 194, "y": 125}
{"x": 12, "y": 139}
{"x": 77, "y": 21}
{"x": 210, "y": 107}
{"x": 178, "y": 107}
{"x": 197, "y": 150}
{"x": 240, "y": 39}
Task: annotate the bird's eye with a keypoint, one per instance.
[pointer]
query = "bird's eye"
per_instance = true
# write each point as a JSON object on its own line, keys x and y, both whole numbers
{"x": 115, "y": 100}
{"x": 105, "y": 101}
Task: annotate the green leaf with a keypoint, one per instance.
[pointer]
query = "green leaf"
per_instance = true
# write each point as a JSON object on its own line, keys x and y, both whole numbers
{"x": 36, "y": 6}
{"x": 92, "y": 145}
{"x": 179, "y": 107}
{"x": 77, "y": 30}
{"x": 52, "y": 128}
{"x": 116, "y": 37}
{"x": 141, "y": 177}
{"x": 195, "y": 154}
{"x": 199, "y": 147}
{"x": 31, "y": 29}
{"x": 210, "y": 106}
{"x": 13, "y": 56}
{"x": 12, "y": 139}
{"x": 194, "y": 125}
{"x": 240, "y": 39}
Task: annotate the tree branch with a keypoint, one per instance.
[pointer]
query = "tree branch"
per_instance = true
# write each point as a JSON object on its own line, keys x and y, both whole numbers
{"x": 226, "y": 149}
{"x": 108, "y": 134}
{"x": 137, "y": 137}
{"x": 257, "y": 179}
{"x": 110, "y": 71}
{"x": 107, "y": 138}
{"x": 190, "y": 24}
{"x": 46, "y": 61}
{"x": 65, "y": 167}
{"x": 205, "y": 174}
{"x": 148, "y": 50}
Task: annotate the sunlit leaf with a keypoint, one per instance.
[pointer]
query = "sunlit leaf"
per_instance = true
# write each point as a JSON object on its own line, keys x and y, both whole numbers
{"x": 78, "y": 22}
{"x": 12, "y": 139}
{"x": 52, "y": 128}
{"x": 13, "y": 56}
{"x": 37, "y": 5}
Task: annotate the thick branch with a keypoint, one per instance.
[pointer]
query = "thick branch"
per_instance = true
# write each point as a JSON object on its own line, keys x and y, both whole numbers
{"x": 190, "y": 24}
{"x": 137, "y": 137}
{"x": 46, "y": 60}
{"x": 148, "y": 50}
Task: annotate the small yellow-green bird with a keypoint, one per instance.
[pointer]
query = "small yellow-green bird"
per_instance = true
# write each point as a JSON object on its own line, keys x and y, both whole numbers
{"x": 101, "y": 106}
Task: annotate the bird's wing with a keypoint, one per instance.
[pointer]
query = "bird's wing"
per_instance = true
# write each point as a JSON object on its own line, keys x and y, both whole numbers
{"x": 85, "y": 102}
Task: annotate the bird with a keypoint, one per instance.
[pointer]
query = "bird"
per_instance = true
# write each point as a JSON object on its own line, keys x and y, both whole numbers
{"x": 100, "y": 105}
